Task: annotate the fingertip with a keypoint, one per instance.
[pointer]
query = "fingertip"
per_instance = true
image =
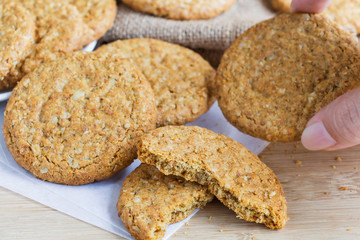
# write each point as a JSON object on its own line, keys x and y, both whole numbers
{"x": 315, "y": 137}
{"x": 309, "y": 6}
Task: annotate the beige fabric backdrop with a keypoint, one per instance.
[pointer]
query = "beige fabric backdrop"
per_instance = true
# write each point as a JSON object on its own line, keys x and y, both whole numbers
{"x": 213, "y": 34}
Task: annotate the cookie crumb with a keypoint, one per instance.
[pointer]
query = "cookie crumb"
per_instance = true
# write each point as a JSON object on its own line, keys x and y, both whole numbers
{"x": 333, "y": 166}
{"x": 356, "y": 168}
{"x": 270, "y": 149}
{"x": 339, "y": 159}
{"x": 210, "y": 217}
{"x": 349, "y": 229}
{"x": 187, "y": 224}
{"x": 326, "y": 193}
{"x": 298, "y": 175}
{"x": 299, "y": 163}
{"x": 297, "y": 146}
{"x": 262, "y": 156}
{"x": 343, "y": 188}
{"x": 221, "y": 230}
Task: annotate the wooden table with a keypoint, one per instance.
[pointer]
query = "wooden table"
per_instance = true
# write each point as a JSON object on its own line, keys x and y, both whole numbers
{"x": 318, "y": 209}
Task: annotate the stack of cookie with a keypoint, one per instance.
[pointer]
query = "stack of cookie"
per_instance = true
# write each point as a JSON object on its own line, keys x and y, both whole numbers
{"x": 81, "y": 118}
{"x": 85, "y": 112}
{"x": 270, "y": 82}
{"x": 76, "y": 117}
{"x": 38, "y": 31}
{"x": 211, "y": 164}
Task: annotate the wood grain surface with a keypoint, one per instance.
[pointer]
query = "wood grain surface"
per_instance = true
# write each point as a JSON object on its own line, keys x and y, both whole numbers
{"x": 318, "y": 209}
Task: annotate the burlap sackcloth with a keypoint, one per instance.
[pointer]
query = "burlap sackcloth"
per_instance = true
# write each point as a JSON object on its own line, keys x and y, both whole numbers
{"x": 215, "y": 34}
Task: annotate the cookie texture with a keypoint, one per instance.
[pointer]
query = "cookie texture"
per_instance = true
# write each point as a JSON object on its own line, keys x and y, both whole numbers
{"x": 180, "y": 78}
{"x": 231, "y": 172}
{"x": 181, "y": 9}
{"x": 344, "y": 12}
{"x": 98, "y": 17}
{"x": 59, "y": 29}
{"x": 17, "y": 31}
{"x": 280, "y": 72}
{"x": 150, "y": 200}
{"x": 77, "y": 120}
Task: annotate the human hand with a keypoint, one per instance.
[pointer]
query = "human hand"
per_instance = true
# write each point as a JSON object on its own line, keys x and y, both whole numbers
{"x": 309, "y": 6}
{"x": 337, "y": 125}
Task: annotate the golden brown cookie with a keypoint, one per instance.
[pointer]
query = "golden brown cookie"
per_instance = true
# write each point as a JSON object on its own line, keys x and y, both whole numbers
{"x": 150, "y": 200}
{"x": 98, "y": 17}
{"x": 344, "y": 12}
{"x": 77, "y": 120}
{"x": 59, "y": 29}
{"x": 179, "y": 77}
{"x": 281, "y": 5}
{"x": 181, "y": 9}
{"x": 232, "y": 173}
{"x": 17, "y": 31}
{"x": 280, "y": 72}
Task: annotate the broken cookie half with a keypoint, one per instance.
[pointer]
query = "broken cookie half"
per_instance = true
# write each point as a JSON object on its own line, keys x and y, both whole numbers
{"x": 230, "y": 171}
{"x": 150, "y": 200}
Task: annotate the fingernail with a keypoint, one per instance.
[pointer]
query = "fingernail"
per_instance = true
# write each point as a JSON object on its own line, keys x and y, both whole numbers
{"x": 292, "y": 9}
{"x": 315, "y": 137}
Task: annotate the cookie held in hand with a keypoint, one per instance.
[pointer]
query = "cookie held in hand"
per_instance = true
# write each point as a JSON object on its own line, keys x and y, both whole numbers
{"x": 280, "y": 72}
{"x": 230, "y": 171}
{"x": 150, "y": 200}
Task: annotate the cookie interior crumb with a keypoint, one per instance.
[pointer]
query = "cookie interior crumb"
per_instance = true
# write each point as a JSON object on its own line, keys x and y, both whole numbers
{"x": 149, "y": 201}
{"x": 157, "y": 148}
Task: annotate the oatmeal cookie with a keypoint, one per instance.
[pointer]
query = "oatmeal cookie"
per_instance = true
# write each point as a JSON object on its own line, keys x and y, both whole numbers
{"x": 77, "y": 120}
{"x": 180, "y": 78}
{"x": 181, "y": 9}
{"x": 59, "y": 29}
{"x": 280, "y": 72}
{"x": 17, "y": 30}
{"x": 98, "y": 17}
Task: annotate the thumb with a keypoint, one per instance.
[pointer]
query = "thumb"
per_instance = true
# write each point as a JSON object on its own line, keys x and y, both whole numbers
{"x": 309, "y": 6}
{"x": 336, "y": 126}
